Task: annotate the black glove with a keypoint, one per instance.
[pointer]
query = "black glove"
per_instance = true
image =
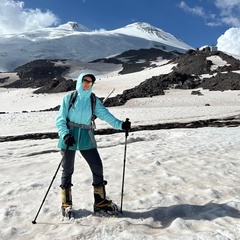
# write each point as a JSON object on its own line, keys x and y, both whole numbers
{"x": 69, "y": 140}
{"x": 126, "y": 125}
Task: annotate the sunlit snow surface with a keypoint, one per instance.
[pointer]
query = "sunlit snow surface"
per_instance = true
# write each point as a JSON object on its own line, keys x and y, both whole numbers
{"x": 179, "y": 183}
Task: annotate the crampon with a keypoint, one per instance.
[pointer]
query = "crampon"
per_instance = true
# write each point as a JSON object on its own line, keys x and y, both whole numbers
{"x": 106, "y": 208}
{"x": 67, "y": 212}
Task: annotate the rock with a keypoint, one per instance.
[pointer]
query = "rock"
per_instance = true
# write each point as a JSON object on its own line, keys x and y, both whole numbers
{"x": 196, "y": 93}
{"x": 221, "y": 82}
{"x": 2, "y": 80}
{"x": 41, "y": 74}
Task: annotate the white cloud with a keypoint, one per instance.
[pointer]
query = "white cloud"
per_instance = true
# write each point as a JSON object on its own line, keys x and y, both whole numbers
{"x": 227, "y": 4}
{"x": 210, "y": 18}
{"x": 195, "y": 10}
{"x": 230, "y": 41}
{"x": 227, "y": 13}
{"x": 15, "y": 18}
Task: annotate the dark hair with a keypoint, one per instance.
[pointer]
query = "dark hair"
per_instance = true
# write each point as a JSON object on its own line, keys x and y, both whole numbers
{"x": 91, "y": 76}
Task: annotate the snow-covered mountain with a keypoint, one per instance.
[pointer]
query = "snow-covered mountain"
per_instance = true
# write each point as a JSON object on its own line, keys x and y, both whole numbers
{"x": 76, "y": 42}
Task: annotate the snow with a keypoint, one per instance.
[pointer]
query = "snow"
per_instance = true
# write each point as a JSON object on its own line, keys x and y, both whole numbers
{"x": 179, "y": 183}
{"x": 73, "y": 41}
{"x": 137, "y": 29}
{"x": 217, "y": 62}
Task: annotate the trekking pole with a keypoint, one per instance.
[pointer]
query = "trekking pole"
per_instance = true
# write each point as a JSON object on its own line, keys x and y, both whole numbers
{"x": 34, "y": 221}
{"x": 124, "y": 164}
{"x": 106, "y": 98}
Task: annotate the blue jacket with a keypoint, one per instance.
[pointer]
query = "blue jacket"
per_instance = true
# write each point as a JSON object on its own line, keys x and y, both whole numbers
{"x": 81, "y": 113}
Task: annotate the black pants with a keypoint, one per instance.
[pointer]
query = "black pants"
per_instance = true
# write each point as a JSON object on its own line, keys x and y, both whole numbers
{"x": 93, "y": 159}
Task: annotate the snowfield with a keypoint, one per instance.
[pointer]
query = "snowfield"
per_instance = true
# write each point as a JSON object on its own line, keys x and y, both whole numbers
{"x": 179, "y": 183}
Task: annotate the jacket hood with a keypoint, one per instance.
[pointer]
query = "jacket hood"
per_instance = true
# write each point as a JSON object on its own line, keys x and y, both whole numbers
{"x": 79, "y": 88}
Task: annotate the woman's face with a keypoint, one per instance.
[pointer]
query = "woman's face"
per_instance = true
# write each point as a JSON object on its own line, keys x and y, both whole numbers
{"x": 86, "y": 83}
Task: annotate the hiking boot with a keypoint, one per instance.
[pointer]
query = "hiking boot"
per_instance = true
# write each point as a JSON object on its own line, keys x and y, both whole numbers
{"x": 105, "y": 206}
{"x": 101, "y": 204}
{"x": 66, "y": 196}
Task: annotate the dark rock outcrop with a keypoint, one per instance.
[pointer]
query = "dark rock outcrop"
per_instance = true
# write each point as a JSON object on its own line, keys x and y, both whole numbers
{"x": 196, "y": 63}
{"x": 46, "y": 75}
{"x": 43, "y": 74}
{"x": 57, "y": 85}
{"x": 40, "y": 69}
{"x": 221, "y": 82}
{"x": 138, "y": 60}
{"x": 2, "y": 80}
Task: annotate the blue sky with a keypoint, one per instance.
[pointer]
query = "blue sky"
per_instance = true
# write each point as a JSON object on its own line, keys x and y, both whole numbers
{"x": 198, "y": 22}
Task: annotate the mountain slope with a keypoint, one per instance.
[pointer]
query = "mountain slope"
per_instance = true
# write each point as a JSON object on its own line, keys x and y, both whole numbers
{"x": 75, "y": 42}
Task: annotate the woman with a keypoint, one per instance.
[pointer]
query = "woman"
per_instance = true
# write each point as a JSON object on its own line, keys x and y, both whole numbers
{"x": 75, "y": 131}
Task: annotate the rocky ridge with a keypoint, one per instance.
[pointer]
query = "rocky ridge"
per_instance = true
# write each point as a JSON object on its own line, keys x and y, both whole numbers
{"x": 188, "y": 74}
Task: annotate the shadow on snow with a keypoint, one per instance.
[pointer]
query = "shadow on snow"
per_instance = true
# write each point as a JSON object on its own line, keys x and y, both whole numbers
{"x": 166, "y": 215}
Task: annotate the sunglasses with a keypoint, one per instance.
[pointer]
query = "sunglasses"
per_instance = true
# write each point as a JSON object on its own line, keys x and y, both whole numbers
{"x": 87, "y": 82}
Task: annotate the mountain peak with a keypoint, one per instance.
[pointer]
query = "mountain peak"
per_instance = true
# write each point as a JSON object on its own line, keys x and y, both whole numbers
{"x": 154, "y": 33}
{"x": 143, "y": 26}
{"x": 74, "y": 26}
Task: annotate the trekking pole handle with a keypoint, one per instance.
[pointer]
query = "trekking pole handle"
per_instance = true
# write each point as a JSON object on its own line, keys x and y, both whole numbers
{"x": 127, "y": 130}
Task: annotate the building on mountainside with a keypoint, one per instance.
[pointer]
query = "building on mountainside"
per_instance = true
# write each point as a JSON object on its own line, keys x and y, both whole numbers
{"x": 213, "y": 48}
